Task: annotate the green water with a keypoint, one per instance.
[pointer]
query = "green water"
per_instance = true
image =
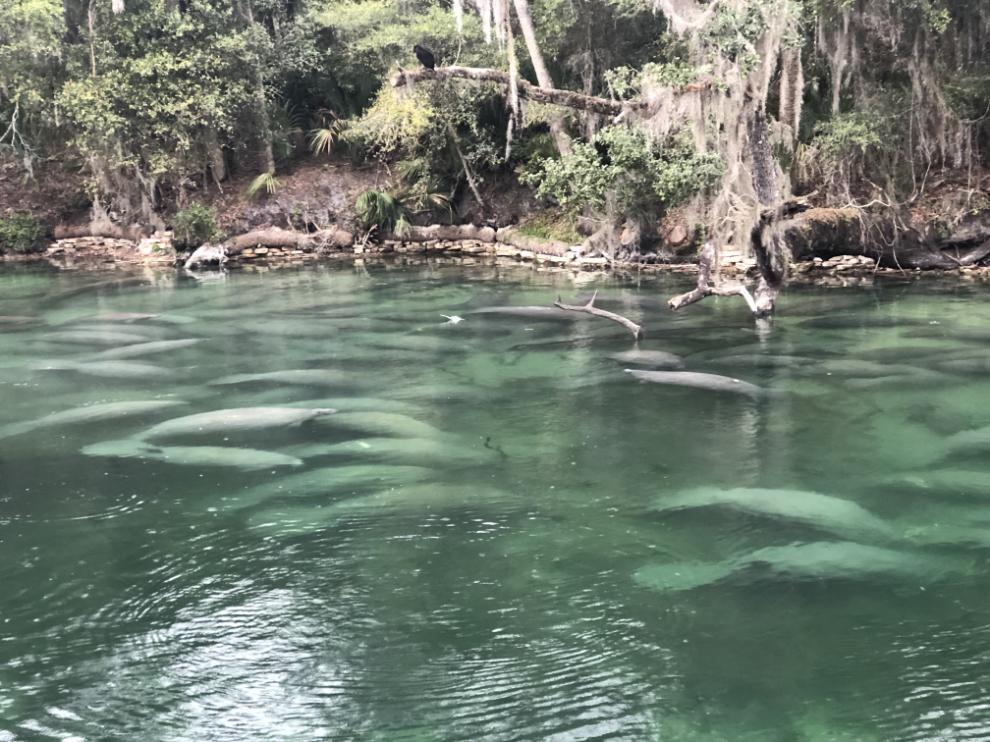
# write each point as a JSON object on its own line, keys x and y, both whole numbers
{"x": 500, "y": 535}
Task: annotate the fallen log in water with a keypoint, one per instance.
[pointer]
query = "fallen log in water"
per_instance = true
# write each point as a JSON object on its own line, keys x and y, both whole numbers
{"x": 826, "y": 233}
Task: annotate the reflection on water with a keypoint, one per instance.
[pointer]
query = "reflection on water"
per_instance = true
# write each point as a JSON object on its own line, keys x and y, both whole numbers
{"x": 499, "y": 534}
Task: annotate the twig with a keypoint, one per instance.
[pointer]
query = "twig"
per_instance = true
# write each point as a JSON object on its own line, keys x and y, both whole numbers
{"x": 590, "y": 308}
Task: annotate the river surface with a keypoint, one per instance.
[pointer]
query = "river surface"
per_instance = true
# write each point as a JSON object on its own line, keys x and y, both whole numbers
{"x": 500, "y": 534}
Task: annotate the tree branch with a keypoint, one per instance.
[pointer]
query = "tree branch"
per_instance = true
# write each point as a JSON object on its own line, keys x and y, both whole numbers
{"x": 590, "y": 308}
{"x": 706, "y": 287}
{"x": 556, "y": 97}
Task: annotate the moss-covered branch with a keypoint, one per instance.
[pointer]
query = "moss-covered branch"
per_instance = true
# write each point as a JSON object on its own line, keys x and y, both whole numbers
{"x": 556, "y": 97}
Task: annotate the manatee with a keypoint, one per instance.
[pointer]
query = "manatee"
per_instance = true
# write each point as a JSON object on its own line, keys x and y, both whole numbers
{"x": 122, "y": 317}
{"x": 336, "y": 480}
{"x": 385, "y": 423}
{"x": 821, "y": 560}
{"x": 362, "y": 404}
{"x": 238, "y": 458}
{"x": 16, "y": 323}
{"x": 652, "y": 358}
{"x": 969, "y": 441}
{"x": 108, "y": 369}
{"x": 908, "y": 377}
{"x": 528, "y": 312}
{"x": 301, "y": 377}
{"x": 759, "y": 360}
{"x": 94, "y": 337}
{"x": 234, "y": 419}
{"x": 443, "y": 392}
{"x": 865, "y": 369}
{"x": 447, "y": 451}
{"x": 418, "y": 343}
{"x": 849, "y": 560}
{"x": 810, "y": 508}
{"x": 90, "y": 413}
{"x": 950, "y": 482}
{"x": 977, "y": 366}
{"x": 712, "y": 382}
{"x": 414, "y": 498}
{"x": 145, "y": 349}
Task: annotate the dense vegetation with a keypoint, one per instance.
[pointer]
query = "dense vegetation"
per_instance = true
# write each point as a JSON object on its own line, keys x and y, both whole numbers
{"x": 157, "y": 101}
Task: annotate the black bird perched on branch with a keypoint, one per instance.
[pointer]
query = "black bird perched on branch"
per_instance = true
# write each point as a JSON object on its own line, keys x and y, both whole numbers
{"x": 425, "y": 57}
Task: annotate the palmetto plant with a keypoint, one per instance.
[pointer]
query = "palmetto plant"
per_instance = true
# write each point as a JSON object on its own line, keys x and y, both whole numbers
{"x": 380, "y": 210}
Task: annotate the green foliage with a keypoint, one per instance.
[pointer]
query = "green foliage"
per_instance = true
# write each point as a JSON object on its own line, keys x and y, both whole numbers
{"x": 847, "y": 134}
{"x": 195, "y": 225}
{"x": 264, "y": 184}
{"x": 626, "y": 83}
{"x": 381, "y": 211}
{"x": 394, "y": 124}
{"x": 639, "y": 177}
{"x": 20, "y": 233}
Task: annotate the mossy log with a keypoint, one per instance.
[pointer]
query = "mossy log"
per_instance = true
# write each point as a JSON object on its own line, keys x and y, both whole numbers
{"x": 276, "y": 237}
{"x": 512, "y": 236}
{"x": 453, "y": 232}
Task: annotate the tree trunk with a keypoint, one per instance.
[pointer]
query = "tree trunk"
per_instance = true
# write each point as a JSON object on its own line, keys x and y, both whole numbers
{"x": 560, "y": 137}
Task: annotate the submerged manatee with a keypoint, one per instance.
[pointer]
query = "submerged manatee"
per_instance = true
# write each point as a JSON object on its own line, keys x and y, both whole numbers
{"x": 810, "y": 508}
{"x": 969, "y": 442}
{"x": 239, "y": 458}
{"x": 415, "y": 498}
{"x": 90, "y": 413}
{"x": 235, "y": 419}
{"x": 712, "y": 382}
{"x": 822, "y": 560}
{"x": 94, "y": 337}
{"x": 950, "y": 482}
{"x": 529, "y": 312}
{"x": 302, "y": 377}
{"x": 447, "y": 451}
{"x": 362, "y": 404}
{"x": 332, "y": 480}
{"x": 107, "y": 369}
{"x": 385, "y": 423}
{"x": 145, "y": 349}
{"x": 652, "y": 358}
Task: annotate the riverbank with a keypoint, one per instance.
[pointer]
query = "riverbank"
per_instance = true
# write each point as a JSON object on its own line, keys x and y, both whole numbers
{"x": 97, "y": 253}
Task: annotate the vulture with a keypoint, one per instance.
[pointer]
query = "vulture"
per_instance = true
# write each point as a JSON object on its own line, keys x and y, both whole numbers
{"x": 425, "y": 57}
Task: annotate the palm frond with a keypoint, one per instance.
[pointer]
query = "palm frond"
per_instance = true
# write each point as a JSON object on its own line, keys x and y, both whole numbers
{"x": 323, "y": 139}
{"x": 264, "y": 183}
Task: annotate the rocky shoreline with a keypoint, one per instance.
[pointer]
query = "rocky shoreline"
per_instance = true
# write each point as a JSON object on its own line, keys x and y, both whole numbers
{"x": 157, "y": 250}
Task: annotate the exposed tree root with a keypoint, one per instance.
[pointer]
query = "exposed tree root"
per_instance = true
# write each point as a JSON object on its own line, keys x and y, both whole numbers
{"x": 590, "y": 308}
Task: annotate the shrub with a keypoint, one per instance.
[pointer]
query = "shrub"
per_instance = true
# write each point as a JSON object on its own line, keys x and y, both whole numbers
{"x": 20, "y": 233}
{"x": 195, "y": 225}
{"x": 622, "y": 166}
